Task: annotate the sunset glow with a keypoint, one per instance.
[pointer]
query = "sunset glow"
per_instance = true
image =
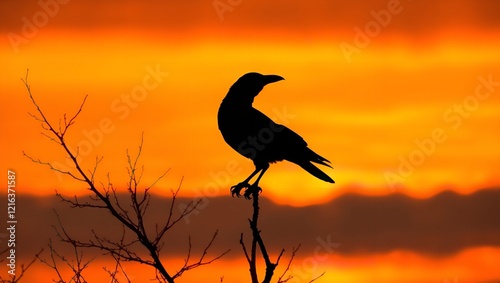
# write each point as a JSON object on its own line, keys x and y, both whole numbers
{"x": 375, "y": 116}
{"x": 398, "y": 266}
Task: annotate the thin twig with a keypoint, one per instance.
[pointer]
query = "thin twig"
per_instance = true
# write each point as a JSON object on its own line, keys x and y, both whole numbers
{"x": 280, "y": 279}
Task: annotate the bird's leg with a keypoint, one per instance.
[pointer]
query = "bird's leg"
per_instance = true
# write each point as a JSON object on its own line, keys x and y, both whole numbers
{"x": 236, "y": 189}
{"x": 255, "y": 186}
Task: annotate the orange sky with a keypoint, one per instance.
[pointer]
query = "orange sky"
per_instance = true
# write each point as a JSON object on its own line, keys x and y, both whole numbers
{"x": 409, "y": 105}
{"x": 364, "y": 116}
{"x": 398, "y": 266}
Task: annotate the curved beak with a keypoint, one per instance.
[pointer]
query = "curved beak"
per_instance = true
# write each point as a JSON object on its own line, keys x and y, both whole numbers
{"x": 271, "y": 79}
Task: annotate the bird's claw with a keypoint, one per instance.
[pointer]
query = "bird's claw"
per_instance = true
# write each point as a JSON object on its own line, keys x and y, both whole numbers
{"x": 251, "y": 190}
{"x": 236, "y": 189}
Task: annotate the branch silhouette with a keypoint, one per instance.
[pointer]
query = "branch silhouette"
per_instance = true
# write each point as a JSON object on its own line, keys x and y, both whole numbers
{"x": 132, "y": 216}
{"x": 257, "y": 240}
{"x": 77, "y": 266}
{"x": 16, "y": 278}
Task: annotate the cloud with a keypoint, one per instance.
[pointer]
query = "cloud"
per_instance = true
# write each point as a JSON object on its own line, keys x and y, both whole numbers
{"x": 299, "y": 16}
{"x": 438, "y": 226}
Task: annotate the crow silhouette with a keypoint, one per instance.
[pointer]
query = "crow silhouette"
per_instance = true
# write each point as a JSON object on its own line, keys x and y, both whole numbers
{"x": 256, "y": 136}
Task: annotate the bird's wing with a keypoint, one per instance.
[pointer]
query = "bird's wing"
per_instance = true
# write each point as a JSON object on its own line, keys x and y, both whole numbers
{"x": 282, "y": 136}
{"x": 292, "y": 147}
{"x": 276, "y": 142}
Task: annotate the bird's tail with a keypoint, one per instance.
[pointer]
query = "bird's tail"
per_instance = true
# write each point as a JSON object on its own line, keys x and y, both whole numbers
{"x": 314, "y": 157}
{"x": 311, "y": 156}
{"x": 313, "y": 170}
{"x": 304, "y": 160}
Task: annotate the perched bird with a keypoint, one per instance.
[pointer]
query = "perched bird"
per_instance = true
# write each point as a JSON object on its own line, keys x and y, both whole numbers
{"x": 256, "y": 136}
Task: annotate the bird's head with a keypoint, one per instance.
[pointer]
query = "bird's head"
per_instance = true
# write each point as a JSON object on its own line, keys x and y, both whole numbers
{"x": 249, "y": 85}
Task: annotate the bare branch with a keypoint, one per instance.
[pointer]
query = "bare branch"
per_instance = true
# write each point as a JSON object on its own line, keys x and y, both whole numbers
{"x": 316, "y": 278}
{"x": 201, "y": 261}
{"x": 257, "y": 240}
{"x": 52, "y": 167}
{"x": 244, "y": 248}
{"x": 280, "y": 279}
{"x": 93, "y": 172}
{"x": 75, "y": 202}
{"x": 23, "y": 267}
{"x": 131, "y": 216}
{"x": 72, "y": 120}
{"x": 53, "y": 262}
{"x": 59, "y": 134}
{"x": 118, "y": 268}
{"x": 77, "y": 266}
